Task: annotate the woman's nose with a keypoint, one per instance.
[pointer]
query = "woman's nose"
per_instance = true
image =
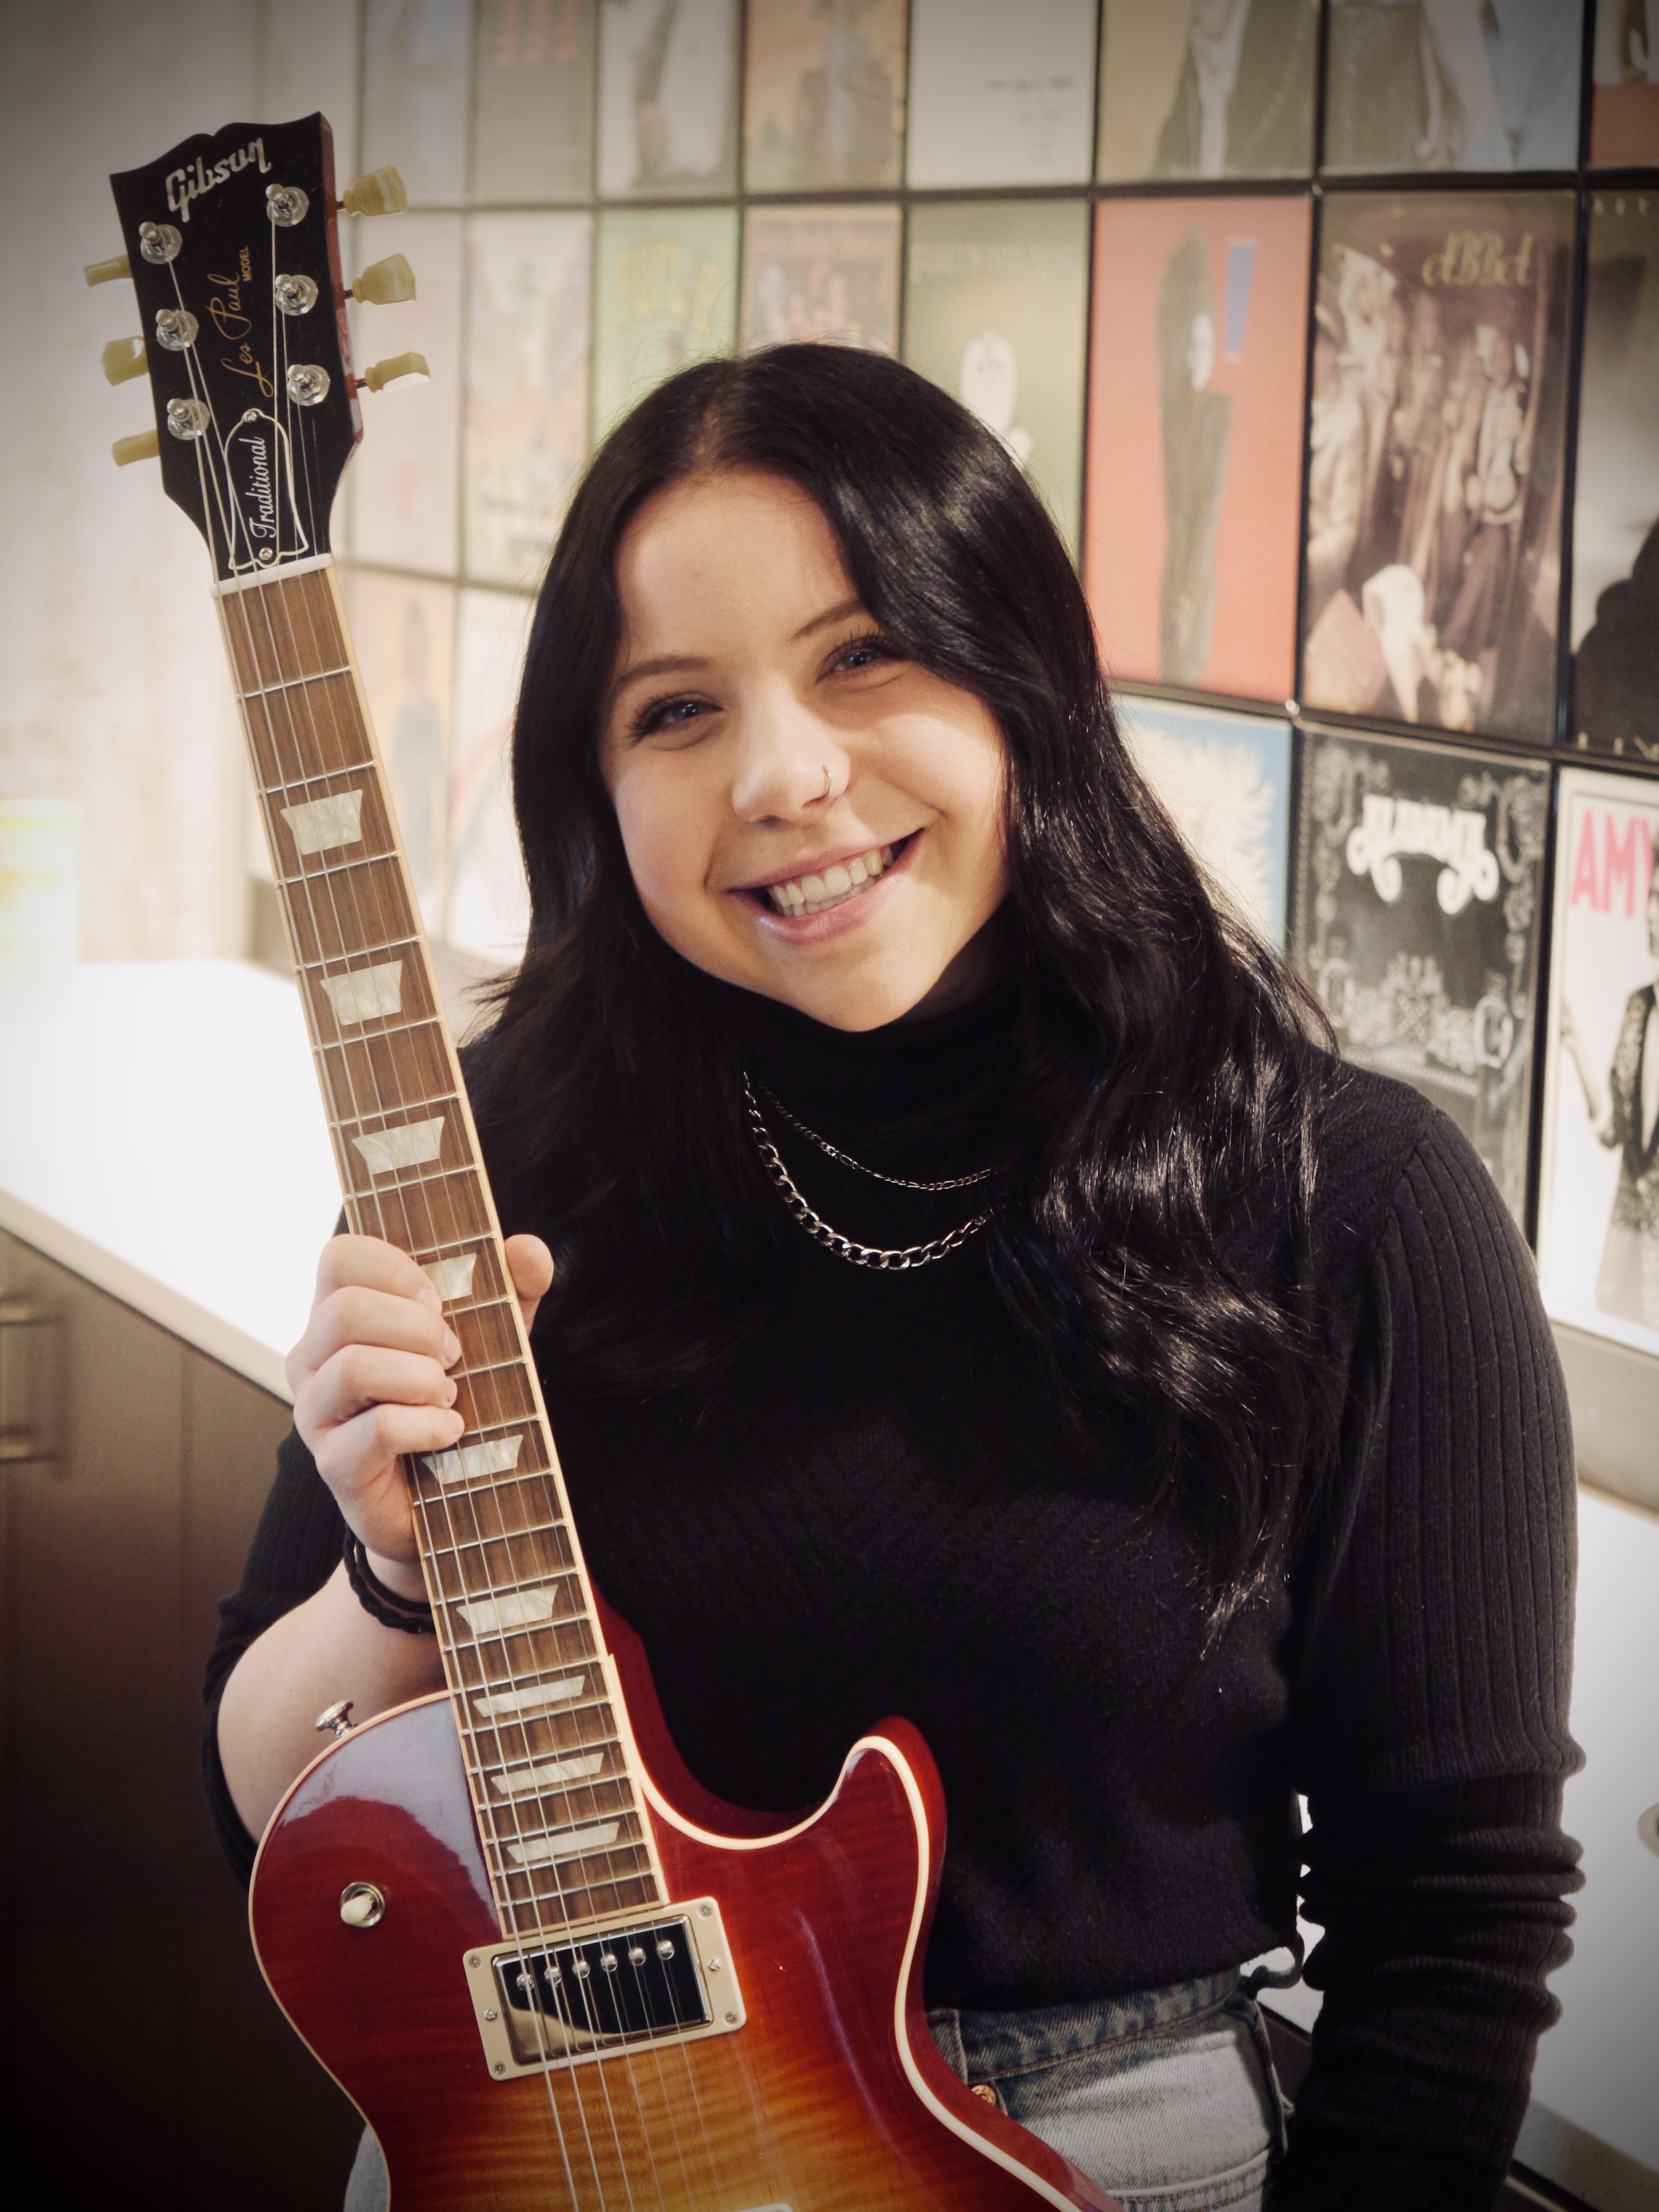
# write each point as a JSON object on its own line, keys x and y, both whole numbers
{"x": 788, "y": 763}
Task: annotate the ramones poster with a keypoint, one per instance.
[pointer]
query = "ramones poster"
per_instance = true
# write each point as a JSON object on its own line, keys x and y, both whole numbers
{"x": 1436, "y": 434}
{"x": 1416, "y": 923}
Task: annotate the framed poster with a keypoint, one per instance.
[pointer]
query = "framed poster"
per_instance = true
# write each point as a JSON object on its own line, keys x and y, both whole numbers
{"x": 823, "y": 95}
{"x": 1219, "y": 88}
{"x": 527, "y": 386}
{"x": 1435, "y": 84}
{"x": 1598, "y": 1203}
{"x": 1623, "y": 129}
{"x": 668, "y": 98}
{"x": 996, "y": 307}
{"x": 532, "y": 100}
{"x": 404, "y": 633}
{"x": 1435, "y": 438}
{"x": 415, "y": 54}
{"x": 1416, "y": 924}
{"x": 664, "y": 295}
{"x": 488, "y": 907}
{"x": 1615, "y": 523}
{"x": 1001, "y": 95}
{"x": 828, "y": 272}
{"x": 404, "y": 481}
{"x": 1196, "y": 377}
{"x": 1225, "y": 780}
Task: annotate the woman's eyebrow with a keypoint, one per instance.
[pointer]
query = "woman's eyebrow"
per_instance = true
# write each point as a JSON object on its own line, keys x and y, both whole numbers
{"x": 667, "y": 663}
{"x": 853, "y": 606}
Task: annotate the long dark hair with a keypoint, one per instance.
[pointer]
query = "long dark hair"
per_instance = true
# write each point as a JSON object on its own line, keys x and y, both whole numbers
{"x": 1151, "y": 1247}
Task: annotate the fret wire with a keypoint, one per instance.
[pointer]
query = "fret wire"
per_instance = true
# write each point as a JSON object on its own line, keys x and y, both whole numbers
{"x": 490, "y": 1429}
{"x": 322, "y": 775}
{"x": 339, "y": 868}
{"x": 414, "y": 1181}
{"x": 293, "y": 683}
{"x": 359, "y": 952}
{"x": 506, "y": 1535}
{"x": 375, "y": 1027}
{"x": 404, "y": 1105}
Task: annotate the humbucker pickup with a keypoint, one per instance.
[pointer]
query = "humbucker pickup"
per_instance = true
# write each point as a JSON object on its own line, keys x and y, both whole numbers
{"x": 665, "y": 1979}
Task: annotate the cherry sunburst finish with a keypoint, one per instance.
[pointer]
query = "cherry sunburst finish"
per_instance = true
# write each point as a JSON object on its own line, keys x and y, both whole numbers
{"x": 548, "y": 1968}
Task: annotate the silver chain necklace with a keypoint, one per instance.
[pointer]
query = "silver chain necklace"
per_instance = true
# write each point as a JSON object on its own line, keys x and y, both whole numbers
{"x": 890, "y": 1259}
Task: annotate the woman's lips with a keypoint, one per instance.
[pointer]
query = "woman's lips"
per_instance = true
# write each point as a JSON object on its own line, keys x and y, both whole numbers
{"x": 806, "y": 910}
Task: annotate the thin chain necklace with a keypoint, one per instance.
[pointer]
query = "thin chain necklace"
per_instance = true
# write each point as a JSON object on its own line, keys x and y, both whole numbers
{"x": 846, "y": 1159}
{"x": 890, "y": 1259}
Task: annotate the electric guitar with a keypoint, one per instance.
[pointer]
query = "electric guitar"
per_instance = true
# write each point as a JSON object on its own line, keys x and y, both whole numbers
{"x": 548, "y": 1969}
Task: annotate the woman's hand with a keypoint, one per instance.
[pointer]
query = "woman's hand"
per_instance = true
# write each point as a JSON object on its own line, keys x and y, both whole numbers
{"x": 370, "y": 1380}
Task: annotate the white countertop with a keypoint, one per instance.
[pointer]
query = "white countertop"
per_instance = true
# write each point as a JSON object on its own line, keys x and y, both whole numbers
{"x": 162, "y": 1134}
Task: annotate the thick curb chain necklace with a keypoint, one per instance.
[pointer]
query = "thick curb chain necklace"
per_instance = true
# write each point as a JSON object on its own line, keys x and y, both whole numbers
{"x": 890, "y": 1260}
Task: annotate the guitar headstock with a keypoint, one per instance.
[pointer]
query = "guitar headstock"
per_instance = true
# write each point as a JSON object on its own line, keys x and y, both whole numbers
{"x": 232, "y": 247}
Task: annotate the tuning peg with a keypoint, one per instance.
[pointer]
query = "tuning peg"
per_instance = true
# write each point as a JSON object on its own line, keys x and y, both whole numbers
{"x": 106, "y": 272}
{"x": 380, "y": 193}
{"x": 123, "y": 359}
{"x": 385, "y": 283}
{"x": 142, "y": 446}
{"x": 388, "y": 372}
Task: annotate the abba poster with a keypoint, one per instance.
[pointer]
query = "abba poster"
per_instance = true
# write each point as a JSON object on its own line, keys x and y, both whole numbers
{"x": 1194, "y": 403}
{"x": 1222, "y": 89}
{"x": 829, "y": 273}
{"x": 996, "y": 308}
{"x": 668, "y": 97}
{"x": 1001, "y": 94}
{"x": 824, "y": 95}
{"x": 403, "y": 483}
{"x": 1436, "y": 435}
{"x": 1225, "y": 782}
{"x": 1416, "y": 924}
{"x": 664, "y": 295}
{"x": 1598, "y": 1209}
{"x": 532, "y": 100}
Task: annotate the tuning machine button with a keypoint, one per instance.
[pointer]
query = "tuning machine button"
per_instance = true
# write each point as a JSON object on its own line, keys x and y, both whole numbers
{"x": 385, "y": 283}
{"x": 380, "y": 193}
{"x": 106, "y": 272}
{"x": 142, "y": 446}
{"x": 388, "y": 372}
{"x": 123, "y": 359}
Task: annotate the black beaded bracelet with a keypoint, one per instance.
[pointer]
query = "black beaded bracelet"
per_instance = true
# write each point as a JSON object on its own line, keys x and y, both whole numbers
{"x": 412, "y": 1614}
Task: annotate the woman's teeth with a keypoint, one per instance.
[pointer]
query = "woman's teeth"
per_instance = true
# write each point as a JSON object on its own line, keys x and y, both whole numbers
{"x": 812, "y": 893}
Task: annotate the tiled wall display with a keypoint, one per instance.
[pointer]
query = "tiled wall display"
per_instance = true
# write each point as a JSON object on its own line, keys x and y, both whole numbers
{"x": 1328, "y": 330}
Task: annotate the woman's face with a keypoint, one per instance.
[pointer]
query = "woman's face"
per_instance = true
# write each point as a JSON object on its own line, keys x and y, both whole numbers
{"x": 806, "y": 812}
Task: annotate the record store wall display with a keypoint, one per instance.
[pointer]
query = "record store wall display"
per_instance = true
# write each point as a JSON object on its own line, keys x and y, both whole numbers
{"x": 1001, "y": 94}
{"x": 1417, "y": 906}
{"x": 532, "y": 99}
{"x": 668, "y": 98}
{"x": 664, "y": 295}
{"x": 824, "y": 95}
{"x": 1623, "y": 129}
{"x": 821, "y": 272}
{"x": 1598, "y": 1216}
{"x": 1225, "y": 780}
{"x": 1207, "y": 89}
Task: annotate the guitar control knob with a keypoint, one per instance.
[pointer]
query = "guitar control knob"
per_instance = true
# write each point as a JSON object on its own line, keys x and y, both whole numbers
{"x": 106, "y": 272}
{"x": 142, "y": 446}
{"x": 385, "y": 283}
{"x": 380, "y": 193}
{"x": 338, "y": 1717}
{"x": 362, "y": 1905}
{"x": 123, "y": 359}
{"x": 388, "y": 372}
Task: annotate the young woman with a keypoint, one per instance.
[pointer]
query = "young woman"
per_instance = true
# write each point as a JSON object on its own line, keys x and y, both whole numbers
{"x": 979, "y": 1297}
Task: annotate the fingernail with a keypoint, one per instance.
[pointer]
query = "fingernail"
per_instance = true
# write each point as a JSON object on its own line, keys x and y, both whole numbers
{"x": 427, "y": 1295}
{"x": 453, "y": 1391}
{"x": 452, "y": 1347}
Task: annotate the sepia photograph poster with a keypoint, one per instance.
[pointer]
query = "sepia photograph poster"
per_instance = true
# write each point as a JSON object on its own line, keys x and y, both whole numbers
{"x": 526, "y": 435}
{"x": 1436, "y": 435}
{"x": 1598, "y": 1204}
{"x": 996, "y": 311}
{"x": 1225, "y": 782}
{"x": 1623, "y": 129}
{"x": 1453, "y": 84}
{"x": 1207, "y": 88}
{"x": 487, "y": 911}
{"x": 1416, "y": 924}
{"x": 403, "y": 482}
{"x": 416, "y": 58}
{"x": 828, "y": 273}
{"x": 668, "y": 97}
{"x": 532, "y": 100}
{"x": 405, "y": 634}
{"x": 1196, "y": 378}
{"x": 664, "y": 295}
{"x": 824, "y": 95}
{"x": 1615, "y": 527}
{"x": 1001, "y": 94}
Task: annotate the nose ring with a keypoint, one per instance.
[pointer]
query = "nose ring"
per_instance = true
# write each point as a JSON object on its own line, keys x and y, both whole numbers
{"x": 828, "y": 782}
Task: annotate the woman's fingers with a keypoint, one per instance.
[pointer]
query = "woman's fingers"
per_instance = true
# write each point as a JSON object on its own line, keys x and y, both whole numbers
{"x": 531, "y": 1265}
{"x": 363, "y": 1375}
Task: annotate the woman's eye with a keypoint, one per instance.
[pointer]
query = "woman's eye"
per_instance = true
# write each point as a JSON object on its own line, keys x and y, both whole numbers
{"x": 864, "y": 652}
{"x": 668, "y": 717}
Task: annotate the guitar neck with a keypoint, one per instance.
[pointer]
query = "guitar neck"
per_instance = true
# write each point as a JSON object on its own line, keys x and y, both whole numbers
{"x": 554, "y": 1780}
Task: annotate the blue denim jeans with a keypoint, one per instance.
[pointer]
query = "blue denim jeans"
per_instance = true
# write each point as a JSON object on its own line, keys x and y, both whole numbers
{"x": 1168, "y": 2098}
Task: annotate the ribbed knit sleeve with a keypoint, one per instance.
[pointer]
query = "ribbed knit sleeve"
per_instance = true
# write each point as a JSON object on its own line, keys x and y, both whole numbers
{"x": 1432, "y": 1663}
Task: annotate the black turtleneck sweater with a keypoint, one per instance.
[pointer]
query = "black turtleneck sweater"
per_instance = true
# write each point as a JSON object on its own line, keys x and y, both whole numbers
{"x": 880, "y": 1514}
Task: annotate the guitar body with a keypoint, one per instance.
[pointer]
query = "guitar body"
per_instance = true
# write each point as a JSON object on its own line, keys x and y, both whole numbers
{"x": 831, "y": 2097}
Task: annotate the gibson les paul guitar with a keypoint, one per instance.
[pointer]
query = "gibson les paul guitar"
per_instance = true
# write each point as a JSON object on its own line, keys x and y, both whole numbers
{"x": 547, "y": 1967}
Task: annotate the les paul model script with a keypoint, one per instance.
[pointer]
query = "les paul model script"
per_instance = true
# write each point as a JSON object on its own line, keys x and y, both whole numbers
{"x": 547, "y": 1967}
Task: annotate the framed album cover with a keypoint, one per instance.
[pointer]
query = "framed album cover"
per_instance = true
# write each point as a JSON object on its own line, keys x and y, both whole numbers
{"x": 1598, "y": 1202}
{"x": 996, "y": 310}
{"x": 403, "y": 483}
{"x": 405, "y": 634}
{"x": 1222, "y": 88}
{"x": 488, "y": 907}
{"x": 1615, "y": 525}
{"x": 526, "y": 435}
{"x": 1623, "y": 129}
{"x": 1225, "y": 780}
{"x": 827, "y": 272}
{"x": 532, "y": 100}
{"x": 664, "y": 295}
{"x": 1001, "y": 95}
{"x": 416, "y": 57}
{"x": 668, "y": 98}
{"x": 1416, "y": 923}
{"x": 1436, "y": 436}
{"x": 1418, "y": 84}
{"x": 823, "y": 95}
{"x": 1195, "y": 399}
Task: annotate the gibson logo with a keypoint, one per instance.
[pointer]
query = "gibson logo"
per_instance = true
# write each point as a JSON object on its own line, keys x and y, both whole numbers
{"x": 185, "y": 185}
{"x": 1477, "y": 257}
{"x": 1389, "y": 827}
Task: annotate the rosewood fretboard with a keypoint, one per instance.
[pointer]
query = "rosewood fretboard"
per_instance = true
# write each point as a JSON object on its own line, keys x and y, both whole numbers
{"x": 553, "y": 1785}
